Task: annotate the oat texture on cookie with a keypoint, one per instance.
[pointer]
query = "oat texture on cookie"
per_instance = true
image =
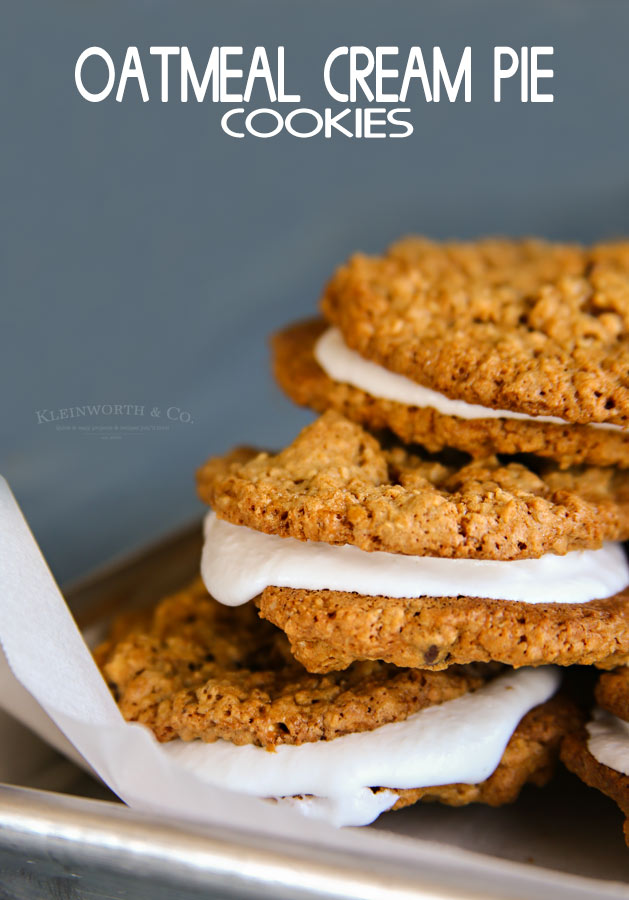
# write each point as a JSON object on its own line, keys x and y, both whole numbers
{"x": 328, "y": 630}
{"x": 339, "y": 484}
{"x": 301, "y": 377}
{"x": 191, "y": 668}
{"x": 524, "y": 325}
{"x": 612, "y": 692}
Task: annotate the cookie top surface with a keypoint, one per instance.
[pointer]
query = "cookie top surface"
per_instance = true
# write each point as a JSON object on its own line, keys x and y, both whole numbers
{"x": 301, "y": 377}
{"x": 522, "y": 325}
{"x": 192, "y": 668}
{"x": 336, "y": 483}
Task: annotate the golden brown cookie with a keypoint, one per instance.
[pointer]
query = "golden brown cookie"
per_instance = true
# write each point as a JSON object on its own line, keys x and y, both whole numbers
{"x": 612, "y": 692}
{"x": 302, "y": 378}
{"x": 328, "y": 630}
{"x": 576, "y": 757}
{"x": 192, "y": 668}
{"x": 336, "y": 483}
{"x": 520, "y": 325}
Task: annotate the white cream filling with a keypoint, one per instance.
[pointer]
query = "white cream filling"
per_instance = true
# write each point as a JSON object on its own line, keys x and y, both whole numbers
{"x": 609, "y": 740}
{"x": 342, "y": 364}
{"x": 461, "y": 741}
{"x": 237, "y": 563}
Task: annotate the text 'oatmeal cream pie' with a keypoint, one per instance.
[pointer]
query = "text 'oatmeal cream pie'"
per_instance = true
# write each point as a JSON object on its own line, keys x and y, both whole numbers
{"x": 489, "y": 346}
{"x": 360, "y": 551}
{"x": 220, "y": 688}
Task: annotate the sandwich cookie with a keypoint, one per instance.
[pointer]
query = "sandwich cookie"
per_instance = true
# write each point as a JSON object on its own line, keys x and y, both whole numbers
{"x": 599, "y": 754}
{"x": 220, "y": 688}
{"x": 360, "y": 551}
{"x": 315, "y": 367}
{"x": 490, "y": 346}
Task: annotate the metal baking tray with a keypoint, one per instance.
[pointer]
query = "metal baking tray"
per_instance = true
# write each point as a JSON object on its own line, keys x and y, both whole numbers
{"x": 64, "y": 835}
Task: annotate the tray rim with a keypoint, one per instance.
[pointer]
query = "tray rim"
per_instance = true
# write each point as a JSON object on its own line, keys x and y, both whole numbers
{"x": 112, "y": 836}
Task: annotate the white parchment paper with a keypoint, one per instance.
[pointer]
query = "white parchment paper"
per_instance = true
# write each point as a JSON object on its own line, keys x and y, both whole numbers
{"x": 49, "y": 681}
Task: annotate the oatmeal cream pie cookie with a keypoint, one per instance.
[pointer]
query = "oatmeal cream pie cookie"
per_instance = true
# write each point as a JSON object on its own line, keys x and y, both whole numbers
{"x": 599, "y": 754}
{"x": 491, "y": 346}
{"x": 220, "y": 688}
{"x": 359, "y": 551}
{"x": 314, "y": 366}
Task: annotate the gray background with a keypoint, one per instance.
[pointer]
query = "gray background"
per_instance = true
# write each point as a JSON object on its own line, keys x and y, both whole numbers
{"x": 146, "y": 256}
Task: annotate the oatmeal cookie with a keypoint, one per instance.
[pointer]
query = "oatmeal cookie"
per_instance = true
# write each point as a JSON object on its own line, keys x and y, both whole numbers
{"x": 192, "y": 668}
{"x": 529, "y": 757}
{"x": 521, "y": 325}
{"x": 576, "y": 757}
{"x": 612, "y": 692}
{"x": 338, "y": 484}
{"x": 301, "y": 377}
{"x": 328, "y": 630}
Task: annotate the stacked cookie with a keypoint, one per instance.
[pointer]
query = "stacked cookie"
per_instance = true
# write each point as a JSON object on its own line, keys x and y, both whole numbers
{"x": 391, "y": 555}
{"x": 425, "y": 554}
